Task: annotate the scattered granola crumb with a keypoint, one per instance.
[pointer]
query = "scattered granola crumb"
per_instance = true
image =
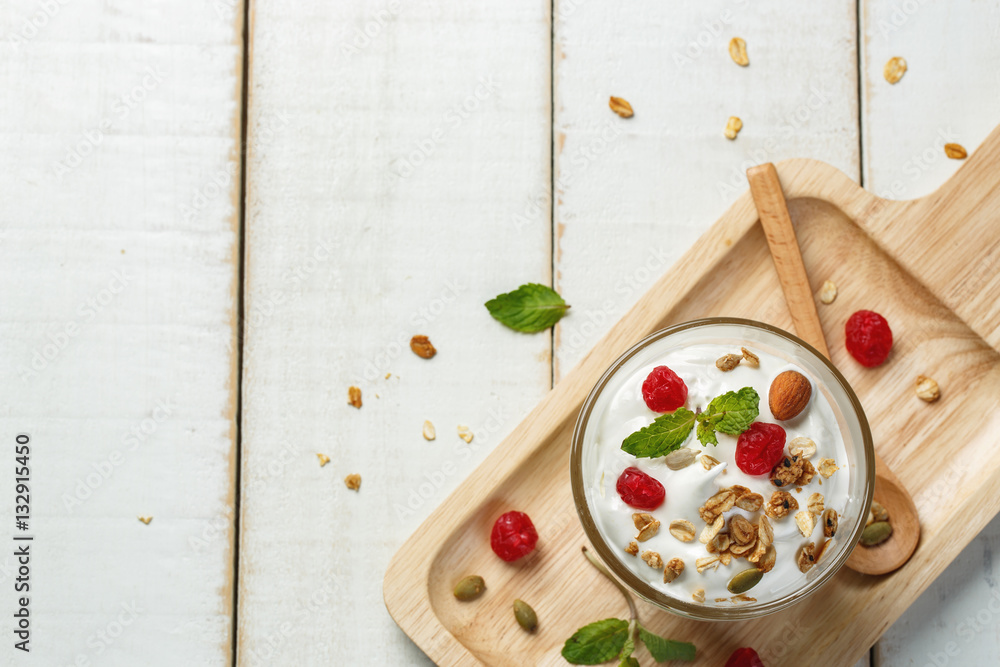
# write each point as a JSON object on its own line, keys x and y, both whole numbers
{"x": 828, "y": 292}
{"x": 753, "y": 361}
{"x": 698, "y": 595}
{"x": 632, "y": 548}
{"x": 733, "y": 127}
{"x": 145, "y": 519}
{"x": 429, "y": 431}
{"x": 806, "y": 521}
{"x": 421, "y": 346}
{"x": 927, "y": 389}
{"x": 806, "y": 558}
{"x": 827, "y": 467}
{"x": 323, "y": 459}
{"x": 956, "y": 151}
{"x": 353, "y": 481}
{"x": 464, "y": 433}
{"x": 652, "y": 559}
{"x": 780, "y": 504}
{"x": 672, "y": 570}
{"x": 682, "y": 529}
{"x": 388, "y": 375}
{"x": 708, "y": 462}
{"x": 621, "y": 107}
{"x": 354, "y": 396}
{"x": 894, "y": 69}
{"x": 728, "y": 362}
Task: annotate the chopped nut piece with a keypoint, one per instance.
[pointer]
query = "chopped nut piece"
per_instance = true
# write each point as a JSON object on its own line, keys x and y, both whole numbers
{"x": 815, "y": 503}
{"x": 927, "y": 389}
{"x": 780, "y": 504}
{"x": 741, "y": 530}
{"x": 422, "y": 347}
{"x": 652, "y": 559}
{"x": 828, "y": 292}
{"x": 806, "y": 558}
{"x": 802, "y": 447}
{"x": 806, "y": 521}
{"x": 323, "y": 459}
{"x": 681, "y": 529}
{"x": 648, "y": 531}
{"x": 354, "y": 396}
{"x": 879, "y": 511}
{"x": 642, "y": 519}
{"x": 621, "y": 107}
{"x": 353, "y": 481}
{"x": 632, "y": 548}
{"x": 894, "y": 69}
{"x": 722, "y": 501}
{"x": 145, "y": 519}
{"x": 752, "y": 502}
{"x": 728, "y": 362}
{"x": 753, "y": 361}
{"x": 464, "y": 433}
{"x": 827, "y": 467}
{"x": 429, "y": 431}
{"x": 733, "y": 127}
{"x": 698, "y": 595}
{"x": 955, "y": 151}
{"x": 708, "y": 462}
{"x": 738, "y": 51}
{"x": 707, "y": 562}
{"x": 712, "y": 529}
{"x": 681, "y": 458}
{"x": 830, "y": 522}
{"x": 672, "y": 570}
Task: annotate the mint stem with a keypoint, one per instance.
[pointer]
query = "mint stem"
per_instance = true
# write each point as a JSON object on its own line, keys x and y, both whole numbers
{"x": 628, "y": 596}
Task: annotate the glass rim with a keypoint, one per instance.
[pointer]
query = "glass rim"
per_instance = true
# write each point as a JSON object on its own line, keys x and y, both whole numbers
{"x": 643, "y": 589}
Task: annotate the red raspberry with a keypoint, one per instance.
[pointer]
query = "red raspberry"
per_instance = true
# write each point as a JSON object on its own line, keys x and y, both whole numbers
{"x": 759, "y": 448}
{"x": 744, "y": 657}
{"x": 513, "y": 536}
{"x": 869, "y": 337}
{"x": 663, "y": 390}
{"x": 639, "y": 490}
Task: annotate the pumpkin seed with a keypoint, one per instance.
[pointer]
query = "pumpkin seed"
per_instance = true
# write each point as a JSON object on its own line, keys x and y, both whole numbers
{"x": 470, "y": 588}
{"x": 877, "y": 533}
{"x": 744, "y": 581}
{"x": 525, "y": 615}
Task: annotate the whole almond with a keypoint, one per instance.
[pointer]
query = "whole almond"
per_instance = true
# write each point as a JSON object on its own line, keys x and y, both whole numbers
{"x": 789, "y": 395}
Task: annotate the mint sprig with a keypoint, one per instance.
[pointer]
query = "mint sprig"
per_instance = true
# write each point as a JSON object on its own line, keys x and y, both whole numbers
{"x": 530, "y": 308}
{"x": 731, "y": 413}
{"x": 612, "y": 638}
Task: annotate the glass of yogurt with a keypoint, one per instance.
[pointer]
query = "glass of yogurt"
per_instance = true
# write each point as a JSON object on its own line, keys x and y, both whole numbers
{"x": 737, "y": 529}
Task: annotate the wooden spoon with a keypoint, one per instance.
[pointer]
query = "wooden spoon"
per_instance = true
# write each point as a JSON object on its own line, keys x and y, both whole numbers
{"x": 773, "y": 211}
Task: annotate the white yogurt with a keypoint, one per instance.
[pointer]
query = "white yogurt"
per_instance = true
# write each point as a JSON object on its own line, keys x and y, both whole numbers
{"x": 623, "y": 411}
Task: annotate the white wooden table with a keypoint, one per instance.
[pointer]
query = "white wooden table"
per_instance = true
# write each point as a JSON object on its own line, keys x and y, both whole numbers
{"x": 407, "y": 161}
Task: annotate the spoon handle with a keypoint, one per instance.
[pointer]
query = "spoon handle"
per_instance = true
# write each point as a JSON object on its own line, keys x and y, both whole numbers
{"x": 773, "y": 211}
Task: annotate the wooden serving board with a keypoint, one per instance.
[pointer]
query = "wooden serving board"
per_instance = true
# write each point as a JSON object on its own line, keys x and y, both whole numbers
{"x": 931, "y": 266}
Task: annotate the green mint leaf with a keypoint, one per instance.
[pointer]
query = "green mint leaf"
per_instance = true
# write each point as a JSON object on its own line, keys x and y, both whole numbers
{"x": 663, "y": 650}
{"x": 706, "y": 434}
{"x": 664, "y": 435}
{"x": 596, "y": 643}
{"x": 733, "y": 412}
{"x": 530, "y": 308}
{"x": 626, "y": 655}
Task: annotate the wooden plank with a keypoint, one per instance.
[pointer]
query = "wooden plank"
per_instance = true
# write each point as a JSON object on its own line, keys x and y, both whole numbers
{"x": 119, "y": 163}
{"x": 946, "y": 46}
{"x": 399, "y": 152}
{"x": 633, "y": 195}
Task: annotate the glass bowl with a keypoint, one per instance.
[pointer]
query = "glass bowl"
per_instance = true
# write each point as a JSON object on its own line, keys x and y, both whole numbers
{"x": 588, "y": 473}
